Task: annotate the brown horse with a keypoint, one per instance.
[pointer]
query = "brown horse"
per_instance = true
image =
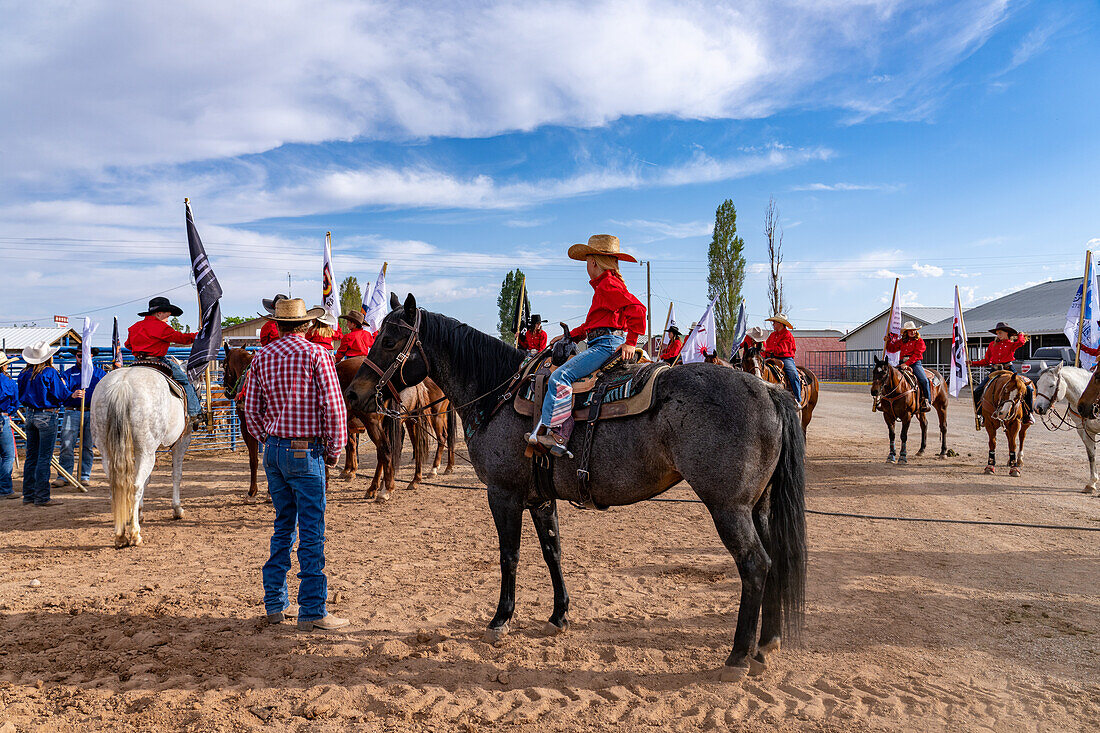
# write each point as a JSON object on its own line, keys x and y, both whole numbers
{"x": 771, "y": 371}
{"x": 235, "y": 364}
{"x": 898, "y": 397}
{"x": 1003, "y": 406}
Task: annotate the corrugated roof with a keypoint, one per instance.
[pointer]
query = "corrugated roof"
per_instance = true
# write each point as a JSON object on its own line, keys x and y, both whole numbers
{"x": 810, "y": 333}
{"x": 1039, "y": 309}
{"x": 924, "y": 314}
{"x": 21, "y": 338}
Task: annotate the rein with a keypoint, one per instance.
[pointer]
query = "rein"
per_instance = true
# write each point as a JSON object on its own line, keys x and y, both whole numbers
{"x": 1015, "y": 402}
{"x": 899, "y": 382}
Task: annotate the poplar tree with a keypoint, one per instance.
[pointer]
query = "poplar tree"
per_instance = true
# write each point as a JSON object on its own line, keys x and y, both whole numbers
{"x": 726, "y": 277}
{"x": 351, "y": 297}
{"x": 506, "y": 305}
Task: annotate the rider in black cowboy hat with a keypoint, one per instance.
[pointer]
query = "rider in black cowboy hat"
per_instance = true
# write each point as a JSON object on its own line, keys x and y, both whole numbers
{"x": 1000, "y": 354}
{"x": 150, "y": 338}
{"x": 534, "y": 338}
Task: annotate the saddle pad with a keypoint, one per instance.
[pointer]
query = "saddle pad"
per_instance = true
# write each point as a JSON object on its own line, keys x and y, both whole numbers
{"x": 630, "y": 393}
{"x": 173, "y": 386}
{"x": 776, "y": 368}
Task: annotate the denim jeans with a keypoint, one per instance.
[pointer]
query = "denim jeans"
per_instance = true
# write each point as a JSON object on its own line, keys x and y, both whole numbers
{"x": 41, "y": 437}
{"x": 70, "y": 434}
{"x": 7, "y": 455}
{"x": 178, "y": 374}
{"x": 559, "y": 388}
{"x": 922, "y": 378}
{"x": 296, "y": 481}
{"x": 791, "y": 371}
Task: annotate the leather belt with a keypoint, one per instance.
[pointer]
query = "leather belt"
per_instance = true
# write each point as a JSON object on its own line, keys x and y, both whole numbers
{"x": 602, "y": 331}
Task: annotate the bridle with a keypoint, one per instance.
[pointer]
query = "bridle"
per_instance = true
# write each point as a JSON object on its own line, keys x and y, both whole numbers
{"x": 385, "y": 378}
{"x": 898, "y": 381}
{"x": 1014, "y": 402}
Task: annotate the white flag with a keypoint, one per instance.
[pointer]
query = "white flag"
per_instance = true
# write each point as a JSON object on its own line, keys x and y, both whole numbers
{"x": 86, "y": 366}
{"x": 739, "y": 330}
{"x": 703, "y": 338}
{"x": 328, "y": 282}
{"x": 893, "y": 328}
{"x": 375, "y": 308}
{"x": 960, "y": 375}
{"x": 1090, "y": 335}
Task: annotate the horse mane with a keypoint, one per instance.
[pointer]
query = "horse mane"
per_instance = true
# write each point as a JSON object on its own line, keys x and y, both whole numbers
{"x": 486, "y": 360}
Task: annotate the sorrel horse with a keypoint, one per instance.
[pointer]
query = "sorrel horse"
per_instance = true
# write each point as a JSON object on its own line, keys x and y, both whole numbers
{"x": 134, "y": 412}
{"x": 771, "y": 371}
{"x": 736, "y": 441}
{"x": 897, "y": 396}
{"x": 235, "y": 364}
{"x": 1068, "y": 384}
{"x": 1003, "y": 405}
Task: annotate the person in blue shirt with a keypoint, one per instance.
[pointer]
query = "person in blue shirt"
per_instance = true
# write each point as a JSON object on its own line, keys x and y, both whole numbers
{"x": 9, "y": 401}
{"x": 41, "y": 392}
{"x": 70, "y": 423}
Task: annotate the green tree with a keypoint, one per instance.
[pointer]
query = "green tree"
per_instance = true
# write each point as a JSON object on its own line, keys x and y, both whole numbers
{"x": 175, "y": 323}
{"x": 351, "y": 297}
{"x": 726, "y": 277}
{"x": 233, "y": 320}
{"x": 506, "y": 304}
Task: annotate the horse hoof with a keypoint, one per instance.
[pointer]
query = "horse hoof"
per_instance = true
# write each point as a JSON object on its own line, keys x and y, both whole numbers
{"x": 903, "y": 459}
{"x": 252, "y": 492}
{"x": 494, "y": 635}
{"x": 136, "y": 541}
{"x": 757, "y": 665}
{"x": 733, "y": 674}
{"x": 435, "y": 472}
{"x": 1088, "y": 490}
{"x": 449, "y": 471}
{"x": 1013, "y": 471}
{"x": 552, "y": 629}
{"x": 770, "y": 647}
{"x": 891, "y": 459}
{"x": 990, "y": 469}
{"x": 120, "y": 542}
{"x": 920, "y": 453}
{"x": 382, "y": 498}
{"x": 177, "y": 512}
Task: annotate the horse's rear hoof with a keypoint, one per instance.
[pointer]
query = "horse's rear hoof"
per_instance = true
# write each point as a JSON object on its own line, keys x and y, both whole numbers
{"x": 435, "y": 471}
{"x": 1088, "y": 490}
{"x": 903, "y": 459}
{"x": 990, "y": 469}
{"x": 253, "y": 491}
{"x": 382, "y": 498}
{"x": 920, "y": 453}
{"x": 450, "y": 470}
{"x": 1014, "y": 471}
{"x": 346, "y": 475}
{"x": 492, "y": 635}
{"x": 552, "y": 629}
{"x": 120, "y": 542}
{"x": 757, "y": 665}
{"x": 177, "y": 512}
{"x": 733, "y": 674}
{"x": 891, "y": 459}
{"x": 770, "y": 647}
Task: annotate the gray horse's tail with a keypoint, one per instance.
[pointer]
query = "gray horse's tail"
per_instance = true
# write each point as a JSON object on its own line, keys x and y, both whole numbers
{"x": 119, "y": 448}
{"x": 787, "y": 520}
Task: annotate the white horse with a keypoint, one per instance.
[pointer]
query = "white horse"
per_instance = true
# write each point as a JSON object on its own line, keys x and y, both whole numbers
{"x": 133, "y": 414}
{"x": 1065, "y": 384}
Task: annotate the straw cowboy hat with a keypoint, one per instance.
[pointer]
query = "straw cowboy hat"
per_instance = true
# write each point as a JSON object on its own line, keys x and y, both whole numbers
{"x": 909, "y": 326}
{"x": 1002, "y": 326}
{"x": 757, "y": 333}
{"x": 355, "y": 317}
{"x": 39, "y": 353}
{"x": 600, "y": 244}
{"x": 780, "y": 319}
{"x": 5, "y": 360}
{"x": 162, "y": 305}
{"x": 293, "y": 310}
{"x": 269, "y": 303}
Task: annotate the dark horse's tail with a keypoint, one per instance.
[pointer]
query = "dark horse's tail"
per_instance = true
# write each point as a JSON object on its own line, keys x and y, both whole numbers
{"x": 450, "y": 433}
{"x": 787, "y": 520}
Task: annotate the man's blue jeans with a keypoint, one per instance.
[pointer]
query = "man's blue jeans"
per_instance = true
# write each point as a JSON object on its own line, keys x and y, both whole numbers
{"x": 559, "y": 388}
{"x": 791, "y": 371}
{"x": 41, "y": 436}
{"x": 296, "y": 480}
{"x": 7, "y": 455}
{"x": 70, "y": 434}
{"x": 178, "y": 374}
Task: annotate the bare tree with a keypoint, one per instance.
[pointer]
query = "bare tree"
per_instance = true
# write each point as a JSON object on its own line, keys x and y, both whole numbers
{"x": 774, "y": 234}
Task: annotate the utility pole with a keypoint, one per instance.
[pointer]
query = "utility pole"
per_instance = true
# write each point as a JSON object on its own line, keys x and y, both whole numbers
{"x": 648, "y": 315}
{"x": 289, "y": 290}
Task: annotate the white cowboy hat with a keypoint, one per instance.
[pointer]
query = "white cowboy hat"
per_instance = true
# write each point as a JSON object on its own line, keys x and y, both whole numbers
{"x": 757, "y": 333}
{"x": 328, "y": 320}
{"x": 293, "y": 310}
{"x": 600, "y": 244}
{"x": 780, "y": 319}
{"x": 40, "y": 352}
{"x": 909, "y": 326}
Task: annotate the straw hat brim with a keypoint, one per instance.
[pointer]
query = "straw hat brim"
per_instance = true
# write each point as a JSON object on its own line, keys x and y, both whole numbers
{"x": 30, "y": 357}
{"x": 780, "y": 319}
{"x": 580, "y": 251}
{"x": 310, "y": 315}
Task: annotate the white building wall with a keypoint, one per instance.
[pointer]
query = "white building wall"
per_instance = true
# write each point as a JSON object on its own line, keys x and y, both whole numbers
{"x": 870, "y": 336}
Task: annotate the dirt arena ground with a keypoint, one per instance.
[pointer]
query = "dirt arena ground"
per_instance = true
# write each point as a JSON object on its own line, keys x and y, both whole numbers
{"x": 910, "y": 626}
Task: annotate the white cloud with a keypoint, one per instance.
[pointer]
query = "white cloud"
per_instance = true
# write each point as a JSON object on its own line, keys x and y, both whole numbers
{"x": 845, "y": 187}
{"x": 667, "y": 229}
{"x": 885, "y": 274}
{"x": 926, "y": 270}
{"x": 910, "y": 299}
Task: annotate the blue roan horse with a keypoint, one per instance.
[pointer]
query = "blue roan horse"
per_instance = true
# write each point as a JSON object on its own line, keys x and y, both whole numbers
{"x": 736, "y": 440}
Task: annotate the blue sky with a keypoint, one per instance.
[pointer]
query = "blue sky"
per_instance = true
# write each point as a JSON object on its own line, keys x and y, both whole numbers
{"x": 948, "y": 143}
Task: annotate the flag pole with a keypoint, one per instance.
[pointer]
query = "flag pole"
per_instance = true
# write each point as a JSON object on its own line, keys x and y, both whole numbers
{"x": 668, "y": 319}
{"x": 893, "y": 300}
{"x": 80, "y": 438}
{"x": 966, "y": 355}
{"x": 1081, "y": 312}
{"x": 519, "y": 308}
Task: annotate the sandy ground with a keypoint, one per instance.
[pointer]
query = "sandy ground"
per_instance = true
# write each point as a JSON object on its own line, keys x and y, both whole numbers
{"x": 909, "y": 626}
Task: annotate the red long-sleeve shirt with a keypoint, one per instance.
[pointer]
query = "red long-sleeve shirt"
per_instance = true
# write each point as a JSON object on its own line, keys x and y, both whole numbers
{"x": 613, "y": 307}
{"x": 673, "y": 349}
{"x": 269, "y": 333}
{"x": 780, "y": 344}
{"x": 325, "y": 341}
{"x": 355, "y": 343}
{"x": 153, "y": 336}
{"x": 1002, "y": 352}
{"x": 910, "y": 351}
{"x": 533, "y": 340}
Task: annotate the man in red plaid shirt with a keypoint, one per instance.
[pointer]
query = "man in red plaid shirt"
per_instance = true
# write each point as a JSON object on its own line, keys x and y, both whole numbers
{"x": 294, "y": 406}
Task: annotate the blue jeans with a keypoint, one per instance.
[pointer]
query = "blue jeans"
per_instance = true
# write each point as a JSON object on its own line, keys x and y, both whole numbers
{"x": 296, "y": 481}
{"x": 7, "y": 455}
{"x": 178, "y": 374}
{"x": 792, "y": 377}
{"x": 41, "y": 436}
{"x": 922, "y": 379}
{"x": 559, "y": 388}
{"x": 70, "y": 434}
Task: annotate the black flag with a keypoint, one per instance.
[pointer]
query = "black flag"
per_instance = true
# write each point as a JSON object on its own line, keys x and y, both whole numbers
{"x": 209, "y": 339}
{"x": 522, "y": 309}
{"x": 116, "y": 347}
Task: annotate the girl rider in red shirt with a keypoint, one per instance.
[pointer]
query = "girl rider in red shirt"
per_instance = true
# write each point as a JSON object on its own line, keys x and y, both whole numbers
{"x": 999, "y": 355}
{"x": 675, "y": 343}
{"x": 780, "y": 345}
{"x": 614, "y": 311}
{"x": 910, "y": 347}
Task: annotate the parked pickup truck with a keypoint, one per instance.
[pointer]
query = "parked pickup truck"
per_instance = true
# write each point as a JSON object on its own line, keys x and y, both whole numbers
{"x": 1044, "y": 358}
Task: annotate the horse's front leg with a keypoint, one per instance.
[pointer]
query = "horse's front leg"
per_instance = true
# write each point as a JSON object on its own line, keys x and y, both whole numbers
{"x": 941, "y": 413}
{"x": 923, "y": 420}
{"x": 991, "y": 429}
{"x": 178, "y": 451}
{"x": 253, "y": 462}
{"x": 904, "y": 438}
{"x": 417, "y": 434}
{"x": 1090, "y": 449}
{"x": 892, "y": 458}
{"x": 1015, "y": 445}
{"x": 507, "y": 509}
{"x": 545, "y": 518}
